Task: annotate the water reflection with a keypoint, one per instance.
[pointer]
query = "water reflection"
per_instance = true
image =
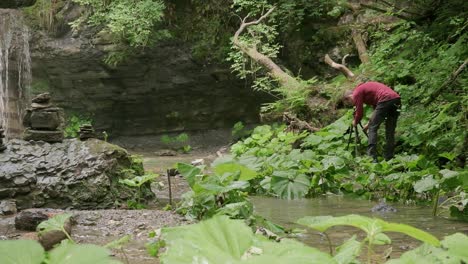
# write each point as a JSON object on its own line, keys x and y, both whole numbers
{"x": 286, "y": 212}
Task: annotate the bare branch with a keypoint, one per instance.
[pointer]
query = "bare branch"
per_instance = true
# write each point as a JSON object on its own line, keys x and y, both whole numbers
{"x": 343, "y": 60}
{"x": 347, "y": 72}
{"x": 255, "y": 22}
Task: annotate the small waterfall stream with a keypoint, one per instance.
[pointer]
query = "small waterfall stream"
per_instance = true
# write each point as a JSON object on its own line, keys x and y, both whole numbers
{"x": 15, "y": 71}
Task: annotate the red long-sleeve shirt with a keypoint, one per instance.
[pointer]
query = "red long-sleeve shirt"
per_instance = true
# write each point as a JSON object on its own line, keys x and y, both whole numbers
{"x": 371, "y": 93}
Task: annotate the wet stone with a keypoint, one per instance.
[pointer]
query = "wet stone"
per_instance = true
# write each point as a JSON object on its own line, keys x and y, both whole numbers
{"x": 28, "y": 220}
{"x": 8, "y": 207}
{"x": 41, "y": 98}
{"x": 43, "y": 122}
{"x": 43, "y": 135}
{"x": 49, "y": 120}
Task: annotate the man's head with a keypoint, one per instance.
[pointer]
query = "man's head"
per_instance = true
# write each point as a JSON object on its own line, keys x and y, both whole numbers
{"x": 348, "y": 98}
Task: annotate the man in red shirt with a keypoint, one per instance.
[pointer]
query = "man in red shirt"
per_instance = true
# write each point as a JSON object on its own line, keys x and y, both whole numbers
{"x": 386, "y": 104}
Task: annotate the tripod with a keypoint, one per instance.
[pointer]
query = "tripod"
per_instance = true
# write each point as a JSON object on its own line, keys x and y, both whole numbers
{"x": 357, "y": 139}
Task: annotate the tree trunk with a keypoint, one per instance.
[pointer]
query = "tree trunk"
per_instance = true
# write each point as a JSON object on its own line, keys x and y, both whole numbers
{"x": 360, "y": 45}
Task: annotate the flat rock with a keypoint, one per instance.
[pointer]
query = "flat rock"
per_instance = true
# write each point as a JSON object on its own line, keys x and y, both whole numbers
{"x": 43, "y": 135}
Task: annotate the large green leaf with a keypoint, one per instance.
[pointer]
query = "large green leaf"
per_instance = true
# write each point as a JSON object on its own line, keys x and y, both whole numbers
{"x": 457, "y": 245}
{"x": 423, "y": 254}
{"x": 55, "y": 223}
{"x": 372, "y": 226}
{"x": 348, "y": 251}
{"x": 138, "y": 181}
{"x": 189, "y": 172}
{"x": 21, "y": 252}
{"x": 289, "y": 185}
{"x": 68, "y": 253}
{"x": 218, "y": 189}
{"x": 223, "y": 240}
{"x": 454, "y": 251}
{"x": 425, "y": 184}
{"x": 217, "y": 240}
{"x": 245, "y": 173}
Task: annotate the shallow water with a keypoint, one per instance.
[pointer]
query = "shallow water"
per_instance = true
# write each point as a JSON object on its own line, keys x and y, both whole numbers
{"x": 286, "y": 212}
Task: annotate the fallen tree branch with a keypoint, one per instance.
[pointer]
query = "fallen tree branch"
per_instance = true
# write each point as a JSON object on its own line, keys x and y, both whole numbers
{"x": 274, "y": 70}
{"x": 347, "y": 72}
{"x": 295, "y": 124}
{"x": 343, "y": 60}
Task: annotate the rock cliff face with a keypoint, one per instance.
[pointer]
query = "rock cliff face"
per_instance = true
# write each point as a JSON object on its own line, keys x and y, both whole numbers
{"x": 73, "y": 174}
{"x": 162, "y": 89}
{"x": 16, "y": 3}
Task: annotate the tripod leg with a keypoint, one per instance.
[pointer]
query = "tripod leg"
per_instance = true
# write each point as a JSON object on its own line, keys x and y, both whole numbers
{"x": 356, "y": 139}
{"x": 350, "y": 135}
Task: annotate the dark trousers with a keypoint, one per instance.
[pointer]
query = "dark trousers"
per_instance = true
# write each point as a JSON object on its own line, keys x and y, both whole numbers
{"x": 387, "y": 111}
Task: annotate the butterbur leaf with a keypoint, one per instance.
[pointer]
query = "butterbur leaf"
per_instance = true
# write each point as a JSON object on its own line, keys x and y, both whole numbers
{"x": 425, "y": 184}
{"x": 223, "y": 240}
{"x": 457, "y": 245}
{"x": 55, "y": 223}
{"x": 348, "y": 251}
{"x": 21, "y": 252}
{"x": 372, "y": 226}
{"x": 381, "y": 239}
{"x": 423, "y": 254}
{"x": 189, "y": 172}
{"x": 68, "y": 253}
{"x": 288, "y": 185}
{"x": 447, "y": 174}
{"x": 245, "y": 173}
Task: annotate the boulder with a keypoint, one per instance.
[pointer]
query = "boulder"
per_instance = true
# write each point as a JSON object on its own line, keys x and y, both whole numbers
{"x": 7, "y": 207}
{"x": 28, "y": 220}
{"x": 71, "y": 174}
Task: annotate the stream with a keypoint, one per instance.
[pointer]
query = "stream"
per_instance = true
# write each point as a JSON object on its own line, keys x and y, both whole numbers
{"x": 286, "y": 212}
{"x": 102, "y": 226}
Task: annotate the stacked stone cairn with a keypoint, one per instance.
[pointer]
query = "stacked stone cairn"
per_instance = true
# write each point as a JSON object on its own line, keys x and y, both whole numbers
{"x": 43, "y": 121}
{"x": 2, "y": 147}
{"x": 86, "y": 132}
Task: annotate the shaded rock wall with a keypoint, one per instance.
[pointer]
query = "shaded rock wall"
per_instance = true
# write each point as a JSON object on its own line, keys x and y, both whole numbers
{"x": 73, "y": 174}
{"x": 16, "y": 3}
{"x": 162, "y": 89}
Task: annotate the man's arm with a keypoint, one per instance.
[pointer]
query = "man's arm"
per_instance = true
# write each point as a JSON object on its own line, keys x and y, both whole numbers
{"x": 358, "y": 102}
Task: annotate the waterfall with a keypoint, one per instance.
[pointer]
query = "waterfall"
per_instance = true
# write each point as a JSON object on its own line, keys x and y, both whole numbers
{"x": 15, "y": 71}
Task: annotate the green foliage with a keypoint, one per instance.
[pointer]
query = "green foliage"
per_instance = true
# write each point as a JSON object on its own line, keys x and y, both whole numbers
{"x": 133, "y": 23}
{"x": 47, "y": 15}
{"x": 21, "y": 252}
{"x": 222, "y": 240}
{"x": 137, "y": 182}
{"x": 324, "y": 164}
{"x": 73, "y": 124}
{"x": 55, "y": 223}
{"x": 453, "y": 251}
{"x": 223, "y": 192}
{"x": 179, "y": 142}
{"x": 418, "y": 61}
{"x": 239, "y": 131}
{"x": 373, "y": 227}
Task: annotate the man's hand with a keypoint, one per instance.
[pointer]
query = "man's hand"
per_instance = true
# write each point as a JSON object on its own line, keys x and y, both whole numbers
{"x": 354, "y": 123}
{"x": 365, "y": 128}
